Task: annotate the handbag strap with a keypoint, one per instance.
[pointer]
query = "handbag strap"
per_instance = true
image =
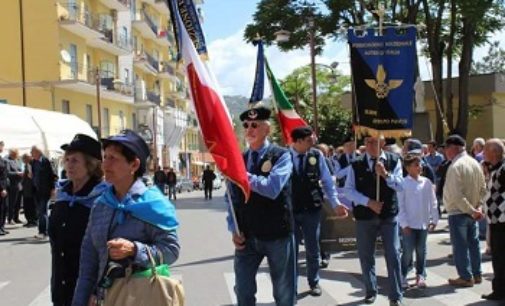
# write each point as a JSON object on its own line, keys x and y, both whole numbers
{"x": 151, "y": 259}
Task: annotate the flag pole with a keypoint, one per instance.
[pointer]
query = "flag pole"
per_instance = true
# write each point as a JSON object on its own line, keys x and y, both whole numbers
{"x": 381, "y": 12}
{"x": 232, "y": 209}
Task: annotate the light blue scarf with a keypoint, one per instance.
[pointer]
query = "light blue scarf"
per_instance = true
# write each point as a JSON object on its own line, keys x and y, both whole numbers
{"x": 87, "y": 200}
{"x": 151, "y": 207}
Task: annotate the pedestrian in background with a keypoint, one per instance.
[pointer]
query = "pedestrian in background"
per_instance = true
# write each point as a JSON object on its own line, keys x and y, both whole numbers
{"x": 28, "y": 192}
{"x": 374, "y": 217}
{"x": 208, "y": 178}
{"x": 15, "y": 177}
{"x": 160, "y": 179}
{"x": 265, "y": 221}
{"x": 4, "y": 187}
{"x": 172, "y": 183}
{"x": 127, "y": 219}
{"x": 309, "y": 173}
{"x": 464, "y": 190}
{"x": 44, "y": 182}
{"x": 417, "y": 204}
{"x": 495, "y": 203}
{"x": 70, "y": 213}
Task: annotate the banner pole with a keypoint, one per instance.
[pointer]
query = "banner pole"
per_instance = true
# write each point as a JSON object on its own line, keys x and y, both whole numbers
{"x": 232, "y": 209}
{"x": 377, "y": 191}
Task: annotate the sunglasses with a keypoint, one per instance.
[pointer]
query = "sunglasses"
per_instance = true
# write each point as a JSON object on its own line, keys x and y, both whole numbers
{"x": 253, "y": 125}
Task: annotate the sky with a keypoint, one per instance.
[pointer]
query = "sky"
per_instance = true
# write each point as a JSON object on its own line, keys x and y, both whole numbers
{"x": 233, "y": 61}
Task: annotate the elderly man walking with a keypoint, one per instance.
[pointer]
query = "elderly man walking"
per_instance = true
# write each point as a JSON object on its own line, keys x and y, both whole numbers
{"x": 464, "y": 190}
{"x": 495, "y": 203}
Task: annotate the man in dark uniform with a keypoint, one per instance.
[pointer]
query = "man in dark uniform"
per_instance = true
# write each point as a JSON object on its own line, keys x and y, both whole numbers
{"x": 310, "y": 168}
{"x": 374, "y": 217}
{"x": 171, "y": 182}
{"x": 43, "y": 180}
{"x": 345, "y": 160}
{"x": 15, "y": 175}
{"x": 160, "y": 179}
{"x": 4, "y": 185}
{"x": 208, "y": 178}
{"x": 265, "y": 221}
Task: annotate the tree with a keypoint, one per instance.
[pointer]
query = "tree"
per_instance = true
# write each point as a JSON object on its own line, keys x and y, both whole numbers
{"x": 493, "y": 62}
{"x": 469, "y": 24}
{"x": 334, "y": 120}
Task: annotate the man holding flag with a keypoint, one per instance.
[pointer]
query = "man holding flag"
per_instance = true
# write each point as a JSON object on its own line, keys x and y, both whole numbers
{"x": 265, "y": 220}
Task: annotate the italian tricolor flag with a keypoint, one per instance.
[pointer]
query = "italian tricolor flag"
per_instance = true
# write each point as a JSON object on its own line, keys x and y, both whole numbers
{"x": 288, "y": 117}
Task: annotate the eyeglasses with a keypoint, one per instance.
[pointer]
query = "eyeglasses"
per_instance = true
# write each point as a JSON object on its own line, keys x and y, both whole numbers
{"x": 253, "y": 125}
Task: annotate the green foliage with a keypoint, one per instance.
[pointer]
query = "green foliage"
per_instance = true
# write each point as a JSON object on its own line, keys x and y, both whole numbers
{"x": 493, "y": 62}
{"x": 334, "y": 121}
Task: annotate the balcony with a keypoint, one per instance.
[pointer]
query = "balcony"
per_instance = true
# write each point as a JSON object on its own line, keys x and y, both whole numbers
{"x": 144, "y": 97}
{"x": 170, "y": 102}
{"x": 115, "y": 44}
{"x": 82, "y": 78}
{"x": 145, "y": 24}
{"x": 153, "y": 62}
{"x": 167, "y": 71}
{"x": 145, "y": 62}
{"x": 162, "y": 38}
{"x": 118, "y": 5}
{"x": 78, "y": 21}
{"x": 162, "y": 7}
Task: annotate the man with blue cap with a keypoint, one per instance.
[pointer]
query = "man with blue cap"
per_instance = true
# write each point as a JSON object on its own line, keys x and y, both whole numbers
{"x": 309, "y": 170}
{"x": 265, "y": 220}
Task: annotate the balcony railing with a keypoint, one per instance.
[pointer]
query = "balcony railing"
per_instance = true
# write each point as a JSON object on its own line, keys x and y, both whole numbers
{"x": 149, "y": 20}
{"x": 83, "y": 73}
{"x": 72, "y": 12}
{"x": 153, "y": 61}
{"x": 167, "y": 68}
{"x": 122, "y": 41}
{"x": 153, "y": 97}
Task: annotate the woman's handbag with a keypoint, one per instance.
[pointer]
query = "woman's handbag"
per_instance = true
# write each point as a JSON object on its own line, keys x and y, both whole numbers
{"x": 155, "y": 290}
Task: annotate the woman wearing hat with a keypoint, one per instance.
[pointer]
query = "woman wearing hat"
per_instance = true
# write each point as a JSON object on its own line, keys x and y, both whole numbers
{"x": 69, "y": 216}
{"x": 127, "y": 220}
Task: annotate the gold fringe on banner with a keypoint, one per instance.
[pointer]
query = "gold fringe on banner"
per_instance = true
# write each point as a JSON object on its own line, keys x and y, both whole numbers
{"x": 361, "y": 131}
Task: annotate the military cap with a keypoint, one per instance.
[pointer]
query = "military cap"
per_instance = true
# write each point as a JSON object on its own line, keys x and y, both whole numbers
{"x": 301, "y": 132}
{"x": 84, "y": 144}
{"x": 414, "y": 146}
{"x": 256, "y": 113}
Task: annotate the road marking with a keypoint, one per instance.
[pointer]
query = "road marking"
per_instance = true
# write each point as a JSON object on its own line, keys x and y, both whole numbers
{"x": 43, "y": 299}
{"x": 264, "y": 294}
{"x": 3, "y": 284}
{"x": 346, "y": 289}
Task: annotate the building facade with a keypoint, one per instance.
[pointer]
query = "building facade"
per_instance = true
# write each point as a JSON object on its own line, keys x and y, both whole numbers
{"x": 110, "y": 62}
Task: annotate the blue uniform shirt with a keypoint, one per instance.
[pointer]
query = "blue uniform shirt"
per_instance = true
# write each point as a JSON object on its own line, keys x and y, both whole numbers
{"x": 394, "y": 181}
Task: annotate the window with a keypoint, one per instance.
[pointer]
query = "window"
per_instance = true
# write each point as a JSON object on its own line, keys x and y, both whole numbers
{"x": 65, "y": 106}
{"x": 73, "y": 61}
{"x": 121, "y": 120}
{"x": 134, "y": 122}
{"x": 89, "y": 114}
{"x": 106, "y": 122}
{"x": 127, "y": 76}
{"x": 108, "y": 69}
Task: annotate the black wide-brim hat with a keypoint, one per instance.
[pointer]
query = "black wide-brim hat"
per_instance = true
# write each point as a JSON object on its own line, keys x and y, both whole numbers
{"x": 131, "y": 141}
{"x": 84, "y": 144}
{"x": 257, "y": 113}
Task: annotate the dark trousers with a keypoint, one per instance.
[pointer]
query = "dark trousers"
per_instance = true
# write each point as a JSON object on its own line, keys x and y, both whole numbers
{"x": 4, "y": 206}
{"x": 14, "y": 204}
{"x": 29, "y": 209}
{"x": 41, "y": 204}
{"x": 208, "y": 191}
{"x": 497, "y": 232}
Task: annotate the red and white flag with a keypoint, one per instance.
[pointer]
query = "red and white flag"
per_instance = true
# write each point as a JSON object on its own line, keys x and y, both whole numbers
{"x": 213, "y": 116}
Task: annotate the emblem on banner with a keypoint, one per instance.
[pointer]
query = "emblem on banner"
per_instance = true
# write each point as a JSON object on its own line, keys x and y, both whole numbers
{"x": 382, "y": 88}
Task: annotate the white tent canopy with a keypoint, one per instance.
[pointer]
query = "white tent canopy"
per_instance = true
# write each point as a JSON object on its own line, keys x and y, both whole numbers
{"x": 23, "y": 127}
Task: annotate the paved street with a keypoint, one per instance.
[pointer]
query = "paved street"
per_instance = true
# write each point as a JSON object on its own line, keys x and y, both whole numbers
{"x": 206, "y": 267}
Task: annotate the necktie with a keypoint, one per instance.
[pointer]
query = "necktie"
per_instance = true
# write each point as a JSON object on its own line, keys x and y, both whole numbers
{"x": 254, "y": 156}
{"x": 300, "y": 163}
{"x": 374, "y": 161}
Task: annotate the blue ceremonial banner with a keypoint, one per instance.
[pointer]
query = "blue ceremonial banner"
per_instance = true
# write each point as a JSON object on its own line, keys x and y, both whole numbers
{"x": 259, "y": 79}
{"x": 191, "y": 20}
{"x": 383, "y": 77}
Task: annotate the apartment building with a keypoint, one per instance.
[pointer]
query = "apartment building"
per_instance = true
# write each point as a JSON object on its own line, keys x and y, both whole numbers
{"x": 110, "y": 62}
